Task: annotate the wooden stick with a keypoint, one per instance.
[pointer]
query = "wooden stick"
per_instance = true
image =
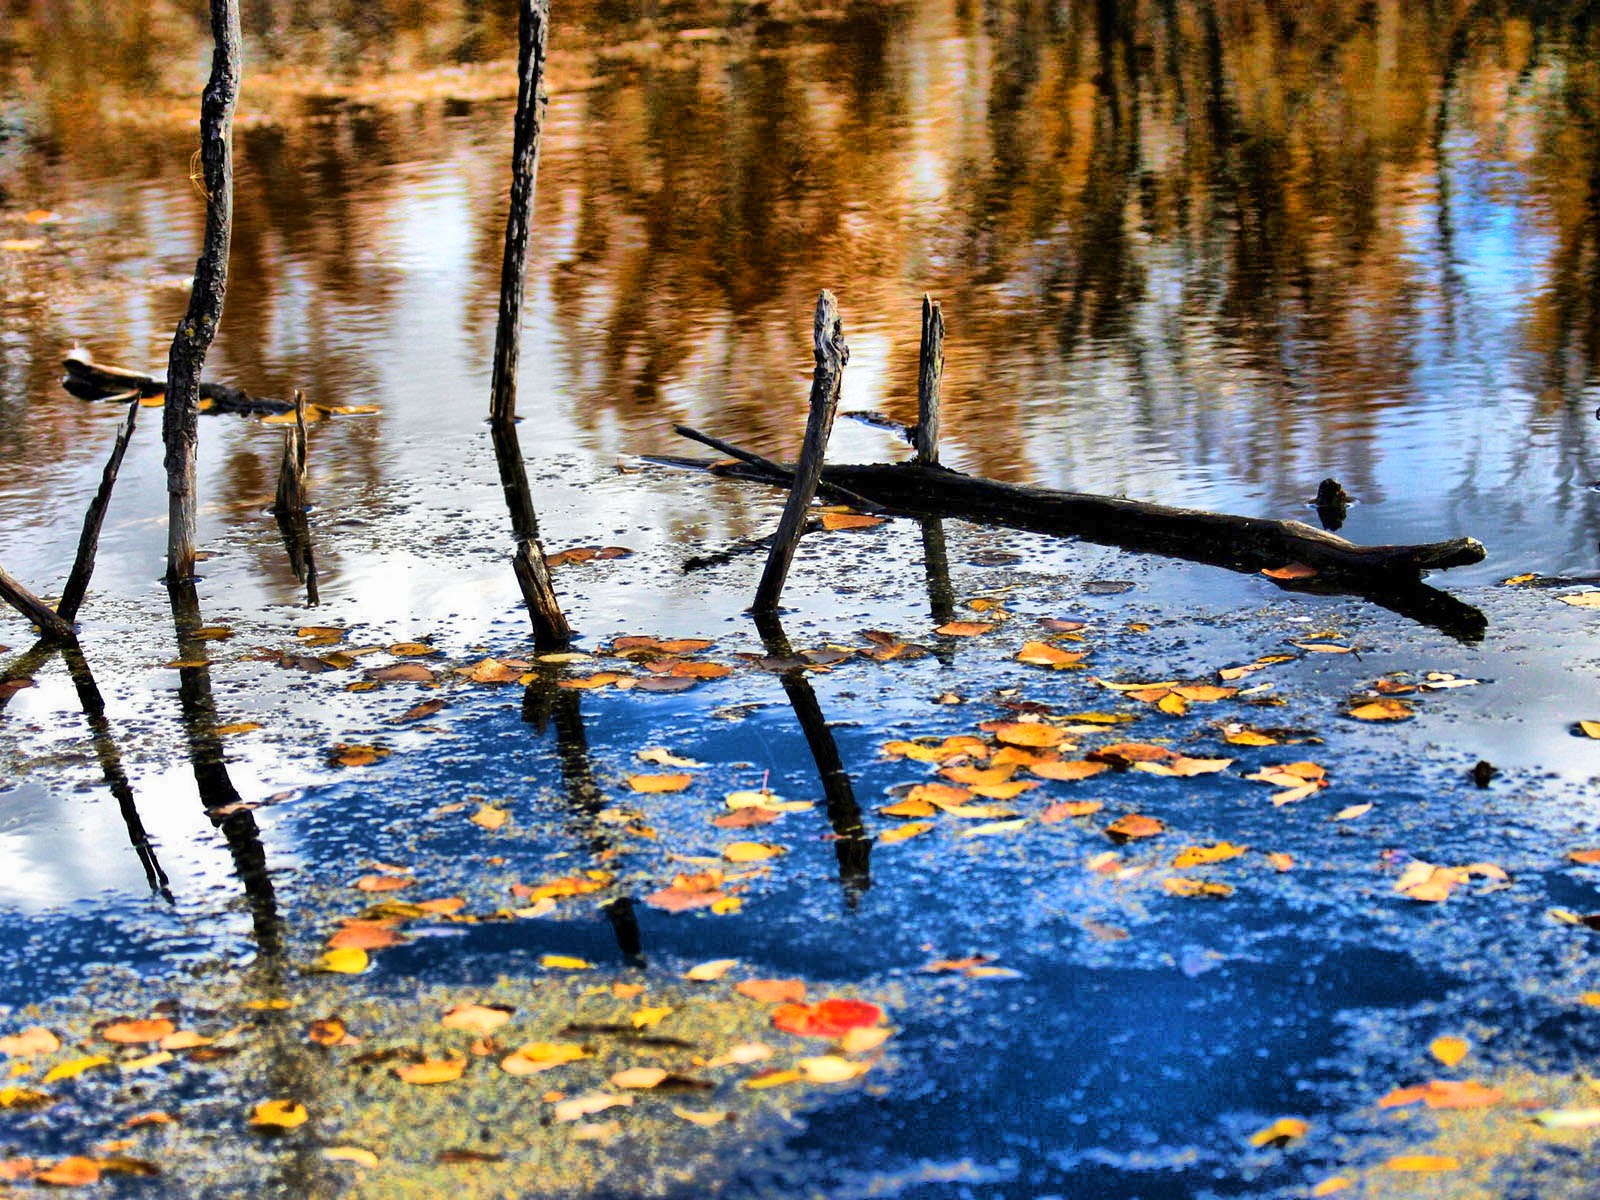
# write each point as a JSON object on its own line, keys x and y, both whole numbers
{"x": 936, "y": 569}
{"x": 51, "y": 626}
{"x": 533, "y": 25}
{"x": 830, "y": 491}
{"x": 831, "y": 355}
{"x": 550, "y": 628}
{"x": 930, "y": 378}
{"x": 89, "y": 541}
{"x": 292, "y": 471}
{"x": 180, "y": 419}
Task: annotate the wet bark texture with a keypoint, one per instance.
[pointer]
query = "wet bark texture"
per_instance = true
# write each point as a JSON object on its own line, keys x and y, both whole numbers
{"x": 180, "y": 422}
{"x": 51, "y": 627}
{"x": 531, "y": 101}
{"x": 831, "y": 355}
{"x": 89, "y": 541}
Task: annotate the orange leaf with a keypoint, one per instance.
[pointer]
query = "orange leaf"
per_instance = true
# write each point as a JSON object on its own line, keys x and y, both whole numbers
{"x": 365, "y": 935}
{"x": 76, "y": 1171}
{"x": 1127, "y": 753}
{"x": 1042, "y": 654}
{"x": 1296, "y": 570}
{"x": 659, "y": 783}
{"x": 1028, "y": 733}
{"x": 833, "y": 520}
{"x": 1063, "y": 809}
{"x": 1068, "y": 770}
{"x": 384, "y": 883}
{"x": 134, "y": 1033}
{"x": 431, "y": 1070}
{"x": 828, "y": 1018}
{"x": 965, "y": 628}
{"x": 1127, "y": 828}
{"x": 773, "y": 991}
{"x": 1423, "y": 1162}
{"x": 985, "y": 776}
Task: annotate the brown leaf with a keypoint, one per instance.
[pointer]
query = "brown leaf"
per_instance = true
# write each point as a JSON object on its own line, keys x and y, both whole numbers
{"x": 408, "y": 672}
{"x": 418, "y": 712}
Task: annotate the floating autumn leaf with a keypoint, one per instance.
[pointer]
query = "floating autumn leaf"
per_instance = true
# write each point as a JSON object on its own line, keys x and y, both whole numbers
{"x": 401, "y": 673}
{"x": 1449, "y": 1050}
{"x": 343, "y": 960}
{"x": 1387, "y": 709}
{"x": 849, "y": 520}
{"x": 1352, "y": 812}
{"x": 706, "y": 972}
{"x": 745, "y": 818}
{"x": 904, "y": 832}
{"x": 1133, "y": 826}
{"x": 490, "y": 817}
{"x": 929, "y": 794}
{"x": 352, "y": 1154}
{"x": 1291, "y": 571}
{"x": 1446, "y": 1094}
{"x": 993, "y": 828}
{"x": 1183, "y": 886}
{"x": 599, "y": 679}
{"x": 1568, "y": 1118}
{"x": 830, "y": 1068}
{"x": 1582, "y": 599}
{"x": 962, "y": 745}
{"x": 278, "y": 1114}
{"x": 588, "y": 1104}
{"x": 477, "y": 1018}
{"x": 366, "y": 935}
{"x": 831, "y": 1018}
{"x": 1280, "y": 1133}
{"x": 773, "y": 991}
{"x": 32, "y": 1042}
{"x": 966, "y": 628}
{"x": 1427, "y": 882}
{"x": 767, "y": 800}
{"x": 1241, "y": 735}
{"x": 700, "y": 890}
{"x": 1199, "y": 856}
{"x": 638, "y": 1078}
{"x": 384, "y": 882}
{"x": 744, "y": 852}
{"x": 1587, "y": 858}
{"x": 1003, "y": 791}
{"x": 1125, "y": 754}
{"x": 1322, "y": 647}
{"x": 538, "y": 1057}
{"x": 567, "y": 885}
{"x": 24, "y": 1099}
{"x": 1042, "y": 654}
{"x": 660, "y": 783}
{"x": 327, "y": 1031}
{"x": 1589, "y": 728}
{"x": 430, "y": 1071}
{"x": 645, "y": 1018}
{"x": 1184, "y": 767}
{"x": 76, "y": 1171}
{"x": 134, "y": 1033}
{"x": 1026, "y": 733}
{"x": 707, "y": 1119}
{"x": 583, "y": 554}
{"x": 1067, "y": 770}
{"x": 1281, "y": 861}
{"x": 1061, "y": 810}
{"x": 564, "y": 962}
{"x": 977, "y": 812}
{"x": 662, "y": 757}
{"x": 75, "y": 1067}
{"x": 981, "y": 776}
{"x": 342, "y": 755}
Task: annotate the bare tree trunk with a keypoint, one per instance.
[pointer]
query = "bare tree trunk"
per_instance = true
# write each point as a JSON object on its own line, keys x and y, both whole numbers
{"x": 831, "y": 356}
{"x": 180, "y": 420}
{"x": 531, "y": 100}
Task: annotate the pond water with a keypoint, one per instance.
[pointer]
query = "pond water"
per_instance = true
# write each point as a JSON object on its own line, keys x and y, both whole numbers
{"x": 1205, "y": 255}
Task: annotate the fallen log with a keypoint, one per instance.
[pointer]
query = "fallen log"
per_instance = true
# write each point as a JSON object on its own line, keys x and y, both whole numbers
{"x": 1222, "y": 539}
{"x": 1386, "y": 575}
{"x": 89, "y": 380}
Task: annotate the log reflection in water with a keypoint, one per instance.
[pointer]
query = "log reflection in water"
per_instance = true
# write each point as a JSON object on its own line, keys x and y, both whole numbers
{"x": 221, "y": 799}
{"x": 852, "y": 844}
{"x": 545, "y": 705}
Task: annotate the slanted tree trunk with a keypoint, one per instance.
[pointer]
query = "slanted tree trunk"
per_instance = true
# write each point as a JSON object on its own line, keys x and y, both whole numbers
{"x": 531, "y": 100}
{"x": 180, "y": 421}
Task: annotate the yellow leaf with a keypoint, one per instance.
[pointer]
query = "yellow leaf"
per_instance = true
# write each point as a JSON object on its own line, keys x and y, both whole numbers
{"x": 344, "y": 960}
{"x": 707, "y": 971}
{"x": 993, "y": 828}
{"x": 774, "y": 1079}
{"x": 638, "y": 1078}
{"x": 145, "y": 1062}
{"x": 236, "y": 727}
{"x": 476, "y": 1018}
{"x": 901, "y": 833}
{"x": 1132, "y": 826}
{"x": 1067, "y": 771}
{"x": 26, "y": 1099}
{"x": 351, "y": 1154}
{"x": 644, "y": 1018}
{"x": 278, "y": 1114}
{"x": 564, "y": 962}
{"x": 1519, "y": 579}
{"x": 1248, "y": 737}
{"x": 863, "y": 1038}
{"x": 1449, "y": 1050}
{"x": 1382, "y": 710}
{"x": 75, "y": 1067}
{"x": 708, "y": 1119}
{"x": 541, "y": 1056}
{"x": 412, "y": 650}
{"x": 1197, "y": 856}
{"x": 726, "y": 906}
{"x": 766, "y": 800}
{"x": 1182, "y": 886}
{"x": 1582, "y": 600}
{"x": 659, "y": 783}
{"x": 912, "y": 808}
{"x": 489, "y": 817}
{"x": 1042, "y": 654}
{"x": 588, "y": 1104}
{"x": 743, "y": 852}
{"x": 830, "y": 1068}
{"x": 431, "y": 1070}
{"x": 1281, "y": 861}
{"x": 1280, "y": 1133}
{"x": 1352, "y": 812}
{"x": 1331, "y": 1185}
{"x": 1590, "y": 728}
{"x": 1028, "y": 733}
{"x": 1424, "y": 1162}
{"x": 1173, "y": 704}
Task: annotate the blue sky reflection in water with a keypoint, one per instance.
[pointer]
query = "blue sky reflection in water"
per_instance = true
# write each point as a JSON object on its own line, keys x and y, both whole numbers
{"x": 1196, "y": 256}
